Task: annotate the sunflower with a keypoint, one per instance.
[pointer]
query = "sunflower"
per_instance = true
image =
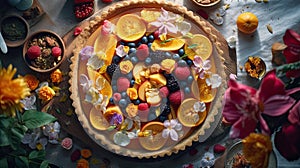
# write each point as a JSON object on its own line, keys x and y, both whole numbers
{"x": 11, "y": 91}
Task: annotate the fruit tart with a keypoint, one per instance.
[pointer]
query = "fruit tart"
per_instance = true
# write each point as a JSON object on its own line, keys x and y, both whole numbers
{"x": 147, "y": 78}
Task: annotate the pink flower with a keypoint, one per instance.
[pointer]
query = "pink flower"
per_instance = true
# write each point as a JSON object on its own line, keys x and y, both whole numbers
{"x": 201, "y": 66}
{"x": 165, "y": 23}
{"x": 107, "y": 27}
{"x": 67, "y": 143}
{"x": 244, "y": 105}
{"x": 292, "y": 52}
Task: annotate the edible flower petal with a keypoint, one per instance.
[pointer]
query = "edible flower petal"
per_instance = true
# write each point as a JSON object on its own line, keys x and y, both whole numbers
{"x": 208, "y": 160}
{"x": 201, "y": 66}
{"x": 86, "y": 52}
{"x": 171, "y": 128}
{"x": 122, "y": 50}
{"x": 29, "y": 102}
{"x": 165, "y": 23}
{"x": 214, "y": 81}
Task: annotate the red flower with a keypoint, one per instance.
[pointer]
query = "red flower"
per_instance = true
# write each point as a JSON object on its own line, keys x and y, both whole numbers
{"x": 292, "y": 52}
{"x": 244, "y": 105}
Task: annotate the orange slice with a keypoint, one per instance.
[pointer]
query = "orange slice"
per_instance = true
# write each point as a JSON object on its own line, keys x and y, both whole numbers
{"x": 110, "y": 111}
{"x": 130, "y": 27}
{"x": 168, "y": 45}
{"x": 198, "y": 45}
{"x": 156, "y": 141}
{"x": 207, "y": 94}
{"x": 187, "y": 116}
{"x": 107, "y": 45}
{"x": 97, "y": 119}
{"x": 96, "y": 77}
{"x": 150, "y": 15}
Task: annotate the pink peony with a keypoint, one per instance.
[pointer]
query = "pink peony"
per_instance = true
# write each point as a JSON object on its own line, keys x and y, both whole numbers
{"x": 244, "y": 105}
{"x": 67, "y": 143}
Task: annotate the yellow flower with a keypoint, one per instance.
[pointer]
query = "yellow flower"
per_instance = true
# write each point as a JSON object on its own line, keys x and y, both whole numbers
{"x": 132, "y": 110}
{"x": 82, "y": 163}
{"x": 132, "y": 93}
{"x": 32, "y": 81}
{"x": 126, "y": 66}
{"x": 56, "y": 76}
{"x": 46, "y": 93}
{"x": 11, "y": 91}
{"x": 261, "y": 146}
{"x": 86, "y": 153}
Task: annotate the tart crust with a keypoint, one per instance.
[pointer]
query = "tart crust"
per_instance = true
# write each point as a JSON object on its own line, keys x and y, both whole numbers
{"x": 201, "y": 133}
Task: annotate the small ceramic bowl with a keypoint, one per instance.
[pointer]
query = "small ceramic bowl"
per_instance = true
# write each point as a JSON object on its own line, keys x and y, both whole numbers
{"x": 202, "y": 4}
{"x": 44, "y": 51}
{"x": 255, "y": 67}
{"x": 15, "y": 30}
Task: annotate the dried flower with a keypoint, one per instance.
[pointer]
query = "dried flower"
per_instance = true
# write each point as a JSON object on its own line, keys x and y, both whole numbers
{"x": 126, "y": 66}
{"x": 86, "y": 153}
{"x": 82, "y": 163}
{"x": 259, "y": 144}
{"x": 132, "y": 110}
{"x": 46, "y": 93}
{"x": 56, "y": 76}
{"x": 32, "y": 81}
{"x": 67, "y": 143}
{"x": 12, "y": 91}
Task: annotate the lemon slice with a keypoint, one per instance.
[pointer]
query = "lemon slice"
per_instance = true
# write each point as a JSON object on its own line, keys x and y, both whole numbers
{"x": 156, "y": 141}
{"x": 187, "y": 116}
{"x": 130, "y": 27}
{"x": 168, "y": 45}
{"x": 198, "y": 45}
{"x": 149, "y": 15}
{"x": 97, "y": 119}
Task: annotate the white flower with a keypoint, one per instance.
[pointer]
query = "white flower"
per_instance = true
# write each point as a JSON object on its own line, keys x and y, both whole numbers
{"x": 34, "y": 141}
{"x": 28, "y": 102}
{"x": 182, "y": 26}
{"x": 208, "y": 160}
{"x": 199, "y": 106}
{"x": 171, "y": 128}
{"x": 165, "y": 23}
{"x": 214, "y": 81}
{"x": 96, "y": 61}
{"x": 51, "y": 131}
{"x": 217, "y": 16}
{"x": 93, "y": 96}
{"x": 85, "y": 82}
{"x": 122, "y": 51}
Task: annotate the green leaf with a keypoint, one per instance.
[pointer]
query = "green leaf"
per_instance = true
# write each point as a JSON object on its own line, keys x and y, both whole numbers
{"x": 37, "y": 154}
{"x": 22, "y": 161}
{"x": 3, "y": 162}
{"x": 4, "y": 140}
{"x": 34, "y": 119}
{"x": 44, "y": 164}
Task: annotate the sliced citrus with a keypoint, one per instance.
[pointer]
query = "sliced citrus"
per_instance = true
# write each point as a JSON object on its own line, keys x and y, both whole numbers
{"x": 188, "y": 116}
{"x": 155, "y": 141}
{"x": 170, "y": 44}
{"x": 106, "y": 44}
{"x": 150, "y": 15}
{"x": 111, "y": 111}
{"x": 198, "y": 45}
{"x": 100, "y": 80}
{"x": 97, "y": 119}
{"x": 130, "y": 27}
{"x": 207, "y": 94}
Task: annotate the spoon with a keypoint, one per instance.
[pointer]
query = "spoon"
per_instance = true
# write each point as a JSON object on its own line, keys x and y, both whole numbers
{"x": 3, "y": 44}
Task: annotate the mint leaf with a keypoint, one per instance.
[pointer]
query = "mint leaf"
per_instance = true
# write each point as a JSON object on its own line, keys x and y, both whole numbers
{"x": 44, "y": 164}
{"x": 37, "y": 154}
{"x": 34, "y": 119}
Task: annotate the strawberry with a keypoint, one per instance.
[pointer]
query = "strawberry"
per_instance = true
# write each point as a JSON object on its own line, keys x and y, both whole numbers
{"x": 182, "y": 73}
{"x": 77, "y": 31}
{"x": 122, "y": 84}
{"x": 142, "y": 52}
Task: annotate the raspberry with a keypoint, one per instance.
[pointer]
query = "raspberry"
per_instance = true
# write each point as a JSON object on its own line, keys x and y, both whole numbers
{"x": 33, "y": 52}
{"x": 175, "y": 98}
{"x": 164, "y": 92}
{"x": 142, "y": 52}
{"x": 77, "y": 31}
{"x": 182, "y": 73}
{"x": 56, "y": 51}
{"x": 123, "y": 84}
{"x": 219, "y": 148}
{"x": 143, "y": 106}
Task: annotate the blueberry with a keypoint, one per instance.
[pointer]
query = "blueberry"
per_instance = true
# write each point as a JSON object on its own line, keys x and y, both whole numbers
{"x": 132, "y": 82}
{"x": 181, "y": 52}
{"x": 134, "y": 60}
{"x": 189, "y": 62}
{"x": 148, "y": 61}
{"x": 132, "y": 50}
{"x": 168, "y": 55}
{"x": 122, "y": 43}
{"x": 182, "y": 63}
{"x": 124, "y": 94}
{"x": 144, "y": 40}
{"x": 127, "y": 57}
{"x": 131, "y": 45}
{"x": 116, "y": 59}
{"x": 111, "y": 100}
{"x": 151, "y": 38}
{"x": 123, "y": 103}
{"x": 114, "y": 88}
{"x": 187, "y": 90}
{"x": 183, "y": 83}
{"x": 190, "y": 79}
{"x": 176, "y": 57}
{"x": 149, "y": 45}
{"x": 136, "y": 102}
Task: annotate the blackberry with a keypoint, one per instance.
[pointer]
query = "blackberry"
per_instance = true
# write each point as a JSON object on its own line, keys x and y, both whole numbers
{"x": 157, "y": 56}
{"x": 113, "y": 69}
{"x": 165, "y": 109}
{"x": 172, "y": 84}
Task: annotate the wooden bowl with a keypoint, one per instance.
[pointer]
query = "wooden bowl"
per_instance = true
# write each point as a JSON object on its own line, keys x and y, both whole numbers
{"x": 15, "y": 30}
{"x": 198, "y": 3}
{"x": 47, "y": 61}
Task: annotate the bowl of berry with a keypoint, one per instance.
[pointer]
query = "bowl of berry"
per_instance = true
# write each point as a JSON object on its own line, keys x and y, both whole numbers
{"x": 44, "y": 51}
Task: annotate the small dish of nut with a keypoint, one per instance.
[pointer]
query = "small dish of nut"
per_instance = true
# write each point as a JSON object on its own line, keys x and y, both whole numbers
{"x": 255, "y": 67}
{"x": 206, "y": 3}
{"x": 44, "y": 51}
